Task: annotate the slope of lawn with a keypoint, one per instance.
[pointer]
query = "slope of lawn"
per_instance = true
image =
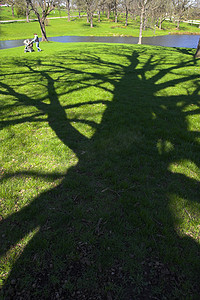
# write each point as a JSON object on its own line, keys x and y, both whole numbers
{"x": 99, "y": 171}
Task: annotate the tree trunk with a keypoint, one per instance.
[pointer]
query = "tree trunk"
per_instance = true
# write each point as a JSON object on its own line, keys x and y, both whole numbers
{"x": 99, "y": 16}
{"x": 178, "y": 24}
{"x": 27, "y": 13}
{"x": 27, "y": 17}
{"x": 12, "y": 7}
{"x": 197, "y": 54}
{"x": 91, "y": 20}
{"x": 115, "y": 11}
{"x": 43, "y": 30}
{"x": 141, "y": 25}
{"x": 157, "y": 20}
{"x": 144, "y": 22}
{"x": 126, "y": 16}
{"x": 108, "y": 16}
{"x": 88, "y": 17}
{"x": 160, "y": 25}
{"x": 162, "y": 19}
{"x": 41, "y": 21}
{"x": 68, "y": 10}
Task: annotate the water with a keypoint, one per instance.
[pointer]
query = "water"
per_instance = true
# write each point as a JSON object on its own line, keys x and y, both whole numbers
{"x": 11, "y": 44}
{"x": 186, "y": 41}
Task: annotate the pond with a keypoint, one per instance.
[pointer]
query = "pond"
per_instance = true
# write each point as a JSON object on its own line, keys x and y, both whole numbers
{"x": 186, "y": 41}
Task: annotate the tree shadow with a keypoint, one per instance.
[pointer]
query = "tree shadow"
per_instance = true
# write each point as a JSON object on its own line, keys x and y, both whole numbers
{"x": 112, "y": 221}
{"x": 186, "y": 51}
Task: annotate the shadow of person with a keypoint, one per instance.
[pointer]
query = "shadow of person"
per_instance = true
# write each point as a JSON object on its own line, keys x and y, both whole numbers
{"x": 112, "y": 227}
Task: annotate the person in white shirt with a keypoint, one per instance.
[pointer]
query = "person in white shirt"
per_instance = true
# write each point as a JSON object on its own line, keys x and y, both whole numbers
{"x": 36, "y": 40}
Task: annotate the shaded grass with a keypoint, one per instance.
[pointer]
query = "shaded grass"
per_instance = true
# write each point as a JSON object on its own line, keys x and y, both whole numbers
{"x": 100, "y": 172}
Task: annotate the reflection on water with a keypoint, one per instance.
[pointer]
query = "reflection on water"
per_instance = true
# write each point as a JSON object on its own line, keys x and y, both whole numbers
{"x": 186, "y": 41}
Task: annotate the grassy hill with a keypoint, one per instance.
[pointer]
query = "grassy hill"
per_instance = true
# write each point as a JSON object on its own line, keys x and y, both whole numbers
{"x": 100, "y": 172}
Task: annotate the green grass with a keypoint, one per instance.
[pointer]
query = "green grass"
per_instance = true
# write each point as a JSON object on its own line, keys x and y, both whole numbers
{"x": 100, "y": 172}
{"x": 79, "y": 27}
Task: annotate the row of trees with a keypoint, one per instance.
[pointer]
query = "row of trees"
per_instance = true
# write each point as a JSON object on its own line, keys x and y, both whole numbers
{"x": 151, "y": 12}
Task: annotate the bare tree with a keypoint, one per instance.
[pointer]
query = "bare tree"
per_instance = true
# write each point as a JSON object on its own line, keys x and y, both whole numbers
{"x": 162, "y": 12}
{"x": 115, "y": 2}
{"x": 68, "y": 9}
{"x": 80, "y": 5}
{"x": 109, "y": 5}
{"x": 146, "y": 6}
{"x": 143, "y": 6}
{"x": 45, "y": 6}
{"x": 27, "y": 11}
{"x": 12, "y": 4}
{"x": 91, "y": 6}
{"x": 180, "y": 7}
{"x": 127, "y": 8}
{"x": 100, "y": 6}
{"x": 23, "y": 8}
{"x": 194, "y": 11}
{"x": 134, "y": 9}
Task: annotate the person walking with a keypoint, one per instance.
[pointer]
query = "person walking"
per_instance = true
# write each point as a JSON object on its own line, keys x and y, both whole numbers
{"x": 36, "y": 40}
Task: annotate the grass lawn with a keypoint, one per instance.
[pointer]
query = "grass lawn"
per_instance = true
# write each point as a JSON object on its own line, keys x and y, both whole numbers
{"x": 99, "y": 191}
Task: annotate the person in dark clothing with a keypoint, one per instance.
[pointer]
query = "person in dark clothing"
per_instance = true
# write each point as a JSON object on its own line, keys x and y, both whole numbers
{"x": 36, "y": 40}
